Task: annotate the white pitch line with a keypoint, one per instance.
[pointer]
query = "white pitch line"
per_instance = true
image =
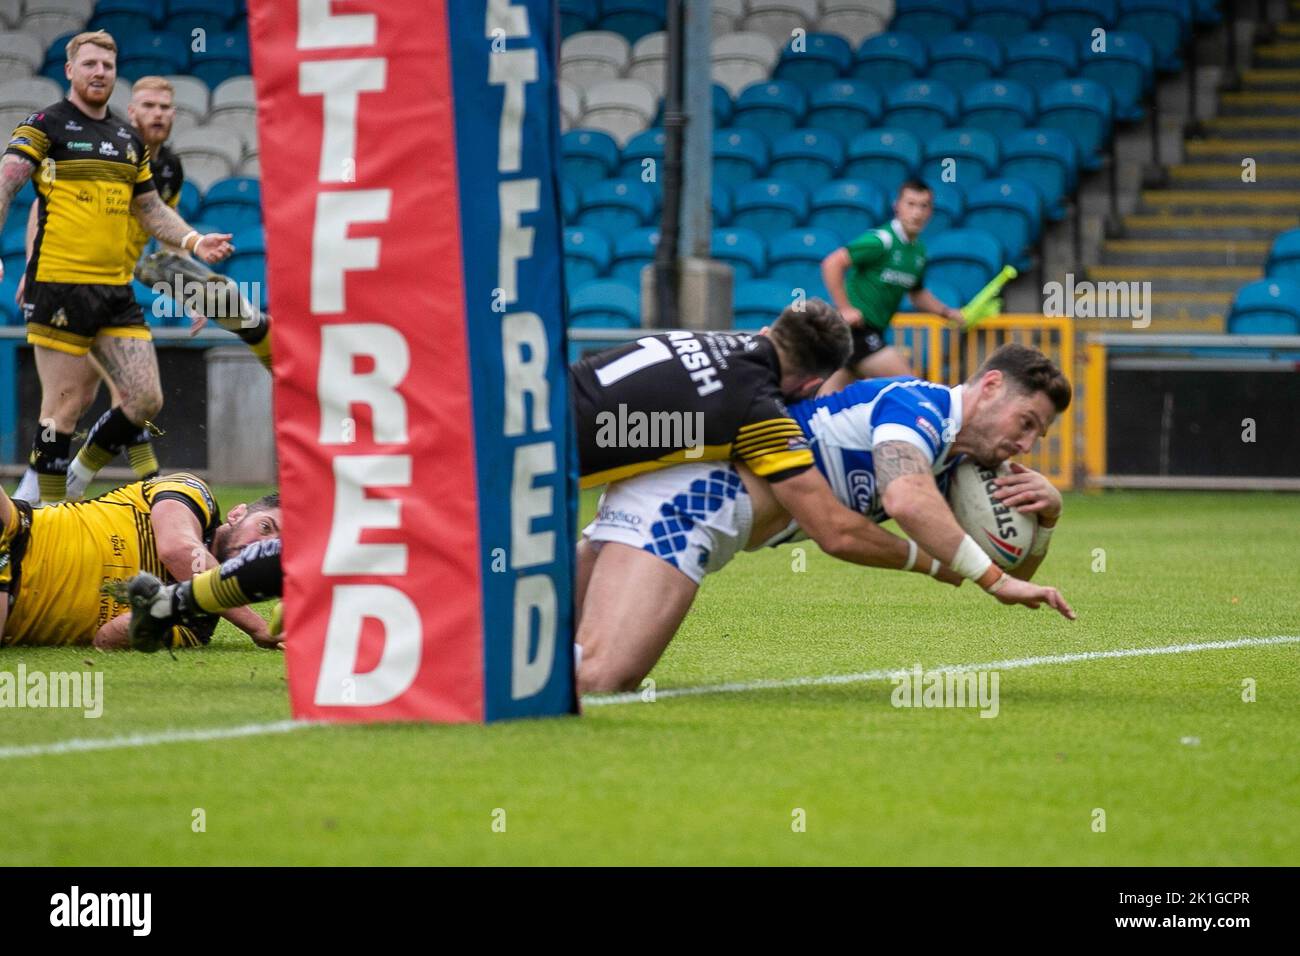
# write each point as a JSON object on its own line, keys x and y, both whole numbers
{"x": 82, "y": 745}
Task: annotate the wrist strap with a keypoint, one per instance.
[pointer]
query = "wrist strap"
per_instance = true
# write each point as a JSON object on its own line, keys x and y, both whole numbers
{"x": 911, "y": 555}
{"x": 192, "y": 234}
{"x": 997, "y": 585}
{"x": 934, "y": 567}
{"x": 1042, "y": 537}
{"x": 970, "y": 561}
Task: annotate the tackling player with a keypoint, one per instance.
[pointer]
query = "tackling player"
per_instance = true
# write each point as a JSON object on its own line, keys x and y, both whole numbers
{"x": 867, "y": 278}
{"x": 55, "y": 561}
{"x": 885, "y": 445}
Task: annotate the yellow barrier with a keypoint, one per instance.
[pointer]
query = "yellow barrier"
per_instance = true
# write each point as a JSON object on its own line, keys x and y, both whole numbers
{"x": 940, "y": 353}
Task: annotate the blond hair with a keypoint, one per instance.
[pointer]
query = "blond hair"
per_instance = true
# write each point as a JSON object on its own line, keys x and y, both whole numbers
{"x": 153, "y": 83}
{"x": 94, "y": 37}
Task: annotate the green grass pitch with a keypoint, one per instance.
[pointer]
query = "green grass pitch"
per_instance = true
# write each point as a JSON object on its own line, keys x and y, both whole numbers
{"x": 1185, "y": 770}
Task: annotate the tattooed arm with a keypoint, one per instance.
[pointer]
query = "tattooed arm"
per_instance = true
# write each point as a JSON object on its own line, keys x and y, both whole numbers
{"x": 166, "y": 225}
{"x": 14, "y": 173}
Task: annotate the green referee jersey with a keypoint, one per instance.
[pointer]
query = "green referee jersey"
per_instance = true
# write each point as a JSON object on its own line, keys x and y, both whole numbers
{"x": 884, "y": 266}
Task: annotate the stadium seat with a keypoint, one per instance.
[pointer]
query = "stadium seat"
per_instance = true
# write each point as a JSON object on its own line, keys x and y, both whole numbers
{"x": 234, "y": 107}
{"x": 721, "y": 204}
{"x": 759, "y": 303}
{"x": 929, "y": 17}
{"x": 56, "y": 56}
{"x": 48, "y": 24}
{"x": 1164, "y": 23}
{"x": 578, "y": 15}
{"x": 855, "y": 20}
{"x": 999, "y": 106}
{"x": 569, "y": 201}
{"x": 1038, "y": 59}
{"x": 192, "y": 100}
{"x": 9, "y": 311}
{"x": 13, "y": 250}
{"x": 617, "y": 205}
{"x": 962, "y": 59}
{"x": 640, "y": 148}
{"x": 586, "y": 255}
{"x": 945, "y": 292}
{"x": 922, "y": 107}
{"x": 11, "y": 14}
{"x": 226, "y": 56}
{"x": 769, "y": 206}
{"x": 1011, "y": 210}
{"x": 1082, "y": 110}
{"x": 1048, "y": 159}
{"x": 190, "y": 202}
{"x": 885, "y": 157}
{"x": 965, "y": 259}
{"x": 207, "y": 153}
{"x": 1078, "y": 18}
{"x": 778, "y": 19}
{"x": 649, "y": 60}
{"x": 250, "y": 166}
{"x": 19, "y": 98}
{"x": 1284, "y": 256}
{"x": 605, "y": 303}
{"x": 739, "y": 60}
{"x": 632, "y": 19}
{"x": 727, "y": 15}
{"x": 233, "y": 204}
{"x": 1004, "y": 18}
{"x": 153, "y": 54}
{"x": 846, "y": 106}
{"x": 796, "y": 256}
{"x": 621, "y": 108}
{"x": 21, "y": 55}
{"x": 1266, "y": 307}
{"x": 974, "y": 153}
{"x": 632, "y": 251}
{"x": 596, "y": 56}
{"x": 570, "y": 105}
{"x": 588, "y": 156}
{"x": 1126, "y": 67}
{"x": 739, "y": 155}
{"x": 770, "y": 108}
{"x": 888, "y": 59}
{"x": 742, "y": 249}
{"x": 848, "y": 207}
{"x": 211, "y": 16}
{"x": 247, "y": 265}
{"x": 949, "y": 208}
{"x": 809, "y": 157}
{"x": 812, "y": 59}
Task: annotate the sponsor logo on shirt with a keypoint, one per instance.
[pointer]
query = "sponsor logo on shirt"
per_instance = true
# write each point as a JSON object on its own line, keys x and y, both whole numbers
{"x": 862, "y": 489}
{"x": 928, "y": 430}
{"x": 81, "y": 146}
{"x": 73, "y": 126}
{"x": 107, "y": 149}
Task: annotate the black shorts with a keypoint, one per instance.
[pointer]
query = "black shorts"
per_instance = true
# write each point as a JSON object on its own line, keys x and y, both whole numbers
{"x": 866, "y": 342}
{"x": 68, "y": 315}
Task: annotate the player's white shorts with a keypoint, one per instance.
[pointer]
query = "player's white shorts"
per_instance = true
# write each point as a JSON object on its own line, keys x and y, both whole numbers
{"x": 695, "y": 516}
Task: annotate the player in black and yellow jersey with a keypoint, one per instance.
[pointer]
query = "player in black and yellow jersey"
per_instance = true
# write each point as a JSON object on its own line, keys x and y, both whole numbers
{"x": 55, "y": 561}
{"x": 94, "y": 176}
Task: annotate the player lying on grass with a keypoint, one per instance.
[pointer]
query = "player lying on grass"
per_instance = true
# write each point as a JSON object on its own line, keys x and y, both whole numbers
{"x": 886, "y": 446}
{"x": 55, "y": 561}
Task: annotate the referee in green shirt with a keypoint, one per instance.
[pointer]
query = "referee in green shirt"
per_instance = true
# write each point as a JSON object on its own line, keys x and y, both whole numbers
{"x": 867, "y": 279}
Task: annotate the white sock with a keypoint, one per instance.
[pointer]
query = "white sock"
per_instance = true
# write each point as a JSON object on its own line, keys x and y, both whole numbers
{"x": 79, "y": 479}
{"x": 29, "y": 488}
{"x": 577, "y": 656}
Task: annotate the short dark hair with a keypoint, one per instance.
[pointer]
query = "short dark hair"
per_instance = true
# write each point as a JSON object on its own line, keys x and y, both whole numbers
{"x": 265, "y": 503}
{"x": 1028, "y": 370}
{"x": 917, "y": 185}
{"x": 813, "y": 337}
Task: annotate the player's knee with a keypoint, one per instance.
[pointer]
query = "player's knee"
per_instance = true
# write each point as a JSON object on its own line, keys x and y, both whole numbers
{"x": 143, "y": 406}
{"x": 601, "y": 674}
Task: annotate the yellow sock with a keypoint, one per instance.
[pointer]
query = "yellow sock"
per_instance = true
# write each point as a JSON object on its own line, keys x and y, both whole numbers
{"x": 143, "y": 460}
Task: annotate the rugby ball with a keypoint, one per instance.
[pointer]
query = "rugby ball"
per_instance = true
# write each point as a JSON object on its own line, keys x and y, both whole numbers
{"x": 1003, "y": 533}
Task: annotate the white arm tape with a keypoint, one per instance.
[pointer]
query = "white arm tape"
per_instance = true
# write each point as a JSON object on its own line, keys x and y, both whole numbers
{"x": 911, "y": 555}
{"x": 969, "y": 561}
{"x": 1042, "y": 536}
{"x": 934, "y": 567}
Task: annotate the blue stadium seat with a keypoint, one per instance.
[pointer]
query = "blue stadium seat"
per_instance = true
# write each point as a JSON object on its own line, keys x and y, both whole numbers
{"x": 945, "y": 292}
{"x": 632, "y": 251}
{"x": 846, "y": 106}
{"x": 1078, "y": 18}
{"x": 1005, "y": 18}
{"x": 887, "y": 59}
{"x": 759, "y": 303}
{"x": 769, "y": 206}
{"x": 145, "y": 297}
{"x": 999, "y": 106}
{"x": 962, "y": 59}
{"x": 796, "y": 256}
{"x": 721, "y": 204}
{"x": 190, "y": 202}
{"x": 1037, "y": 59}
{"x": 145, "y": 54}
{"x": 1048, "y": 159}
{"x": 922, "y": 107}
{"x": 974, "y": 151}
{"x": 1164, "y": 23}
{"x": 9, "y": 311}
{"x": 1284, "y": 256}
{"x": 1266, "y": 307}
{"x": 1207, "y": 12}
{"x": 739, "y": 156}
{"x": 648, "y": 144}
{"x": 586, "y": 255}
{"x": 578, "y": 15}
{"x": 771, "y": 108}
{"x": 617, "y": 205}
{"x": 22, "y": 201}
{"x": 965, "y": 259}
{"x": 723, "y": 106}
{"x": 605, "y": 303}
{"x": 1011, "y": 210}
{"x": 569, "y": 201}
{"x": 1126, "y": 68}
{"x": 949, "y": 208}
{"x": 808, "y": 157}
{"x": 632, "y": 19}
{"x": 233, "y": 203}
{"x": 212, "y": 16}
{"x": 589, "y": 155}
{"x": 122, "y": 18}
{"x": 227, "y": 55}
{"x": 1082, "y": 110}
{"x": 885, "y": 157}
{"x": 929, "y": 17}
{"x": 820, "y": 58}
{"x": 13, "y": 250}
{"x": 849, "y": 207}
{"x": 248, "y": 263}
{"x": 742, "y": 249}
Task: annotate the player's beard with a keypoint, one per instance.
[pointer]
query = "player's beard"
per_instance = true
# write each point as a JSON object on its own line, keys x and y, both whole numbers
{"x": 222, "y": 549}
{"x": 96, "y": 97}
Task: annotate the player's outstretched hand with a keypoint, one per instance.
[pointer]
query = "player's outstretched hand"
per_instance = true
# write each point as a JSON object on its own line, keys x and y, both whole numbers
{"x": 1033, "y": 596}
{"x": 269, "y": 642}
{"x": 213, "y": 247}
{"x": 1028, "y": 492}
{"x": 852, "y": 316}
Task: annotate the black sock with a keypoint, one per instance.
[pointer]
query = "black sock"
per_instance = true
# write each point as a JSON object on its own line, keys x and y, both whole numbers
{"x": 113, "y": 432}
{"x": 50, "y": 462}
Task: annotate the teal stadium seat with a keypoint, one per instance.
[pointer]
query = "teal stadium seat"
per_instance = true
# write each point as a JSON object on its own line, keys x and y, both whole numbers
{"x": 633, "y": 251}
{"x": 588, "y": 156}
{"x": 742, "y": 249}
{"x": 1266, "y": 307}
{"x": 1010, "y": 209}
{"x": 999, "y": 106}
{"x": 965, "y": 259}
{"x": 888, "y": 59}
{"x": 1166, "y": 24}
{"x": 849, "y": 207}
{"x": 586, "y": 255}
{"x": 605, "y": 304}
{"x": 771, "y": 108}
{"x": 962, "y": 59}
{"x": 846, "y": 106}
{"x": 617, "y": 205}
{"x": 1078, "y": 18}
{"x": 949, "y": 209}
{"x": 769, "y": 206}
{"x": 1048, "y": 159}
{"x": 922, "y": 107}
{"x": 1041, "y": 58}
{"x": 1126, "y": 67}
{"x": 1082, "y": 109}
{"x": 929, "y": 17}
{"x": 646, "y": 145}
{"x": 974, "y": 152}
{"x": 632, "y": 19}
{"x": 739, "y": 156}
{"x": 760, "y": 302}
{"x": 796, "y": 257}
{"x": 820, "y": 58}
{"x": 1004, "y": 18}
{"x": 886, "y": 157}
{"x": 1284, "y": 257}
{"x": 809, "y": 157}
